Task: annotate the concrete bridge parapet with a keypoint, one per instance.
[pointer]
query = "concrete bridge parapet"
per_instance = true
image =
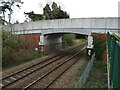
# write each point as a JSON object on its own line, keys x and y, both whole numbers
{"x": 75, "y": 25}
{"x": 49, "y": 32}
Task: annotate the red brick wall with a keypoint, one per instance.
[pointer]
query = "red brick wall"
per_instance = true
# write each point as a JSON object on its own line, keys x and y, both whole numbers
{"x": 103, "y": 36}
{"x": 32, "y": 40}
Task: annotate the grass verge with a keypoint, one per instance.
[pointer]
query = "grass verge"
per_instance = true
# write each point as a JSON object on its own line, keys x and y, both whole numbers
{"x": 98, "y": 75}
{"x": 76, "y": 42}
{"x": 79, "y": 41}
{"x": 20, "y": 63}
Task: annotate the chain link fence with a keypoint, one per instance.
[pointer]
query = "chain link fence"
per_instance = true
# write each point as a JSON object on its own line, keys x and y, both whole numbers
{"x": 86, "y": 73}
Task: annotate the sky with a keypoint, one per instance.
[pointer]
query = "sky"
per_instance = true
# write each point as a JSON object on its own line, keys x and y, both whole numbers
{"x": 75, "y": 8}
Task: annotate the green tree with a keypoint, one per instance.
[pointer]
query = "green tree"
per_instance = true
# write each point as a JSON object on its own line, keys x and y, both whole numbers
{"x": 55, "y": 12}
{"x": 68, "y": 40}
{"x": 62, "y": 14}
{"x": 33, "y": 16}
{"x": 49, "y": 12}
{"x": 15, "y": 50}
{"x": 7, "y": 6}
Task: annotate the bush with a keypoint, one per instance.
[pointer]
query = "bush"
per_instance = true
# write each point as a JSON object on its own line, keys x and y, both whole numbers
{"x": 68, "y": 40}
{"x": 14, "y": 50}
{"x": 80, "y": 36}
{"x": 99, "y": 46}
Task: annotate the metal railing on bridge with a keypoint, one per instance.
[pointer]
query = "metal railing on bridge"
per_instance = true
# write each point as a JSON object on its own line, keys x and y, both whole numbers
{"x": 113, "y": 46}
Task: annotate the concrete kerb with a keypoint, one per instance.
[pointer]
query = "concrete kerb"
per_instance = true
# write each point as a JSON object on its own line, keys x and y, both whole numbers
{"x": 86, "y": 73}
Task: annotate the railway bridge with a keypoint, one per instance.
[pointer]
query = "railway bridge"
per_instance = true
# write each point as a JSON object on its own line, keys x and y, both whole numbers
{"x": 48, "y": 33}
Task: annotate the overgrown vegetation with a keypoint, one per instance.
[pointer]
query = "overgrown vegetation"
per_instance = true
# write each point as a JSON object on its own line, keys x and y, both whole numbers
{"x": 68, "y": 40}
{"x": 98, "y": 75}
{"x": 99, "y": 46}
{"x": 14, "y": 50}
{"x": 79, "y": 41}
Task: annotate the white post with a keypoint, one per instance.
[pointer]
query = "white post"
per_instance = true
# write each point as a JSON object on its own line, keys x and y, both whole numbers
{"x": 41, "y": 39}
{"x": 90, "y": 42}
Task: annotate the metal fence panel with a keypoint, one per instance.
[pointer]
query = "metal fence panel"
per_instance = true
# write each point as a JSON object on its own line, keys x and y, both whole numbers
{"x": 112, "y": 51}
{"x": 114, "y": 60}
{"x": 115, "y": 67}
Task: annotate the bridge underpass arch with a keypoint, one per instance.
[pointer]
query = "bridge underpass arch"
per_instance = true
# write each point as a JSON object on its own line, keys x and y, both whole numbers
{"x": 52, "y": 42}
{"x": 74, "y": 25}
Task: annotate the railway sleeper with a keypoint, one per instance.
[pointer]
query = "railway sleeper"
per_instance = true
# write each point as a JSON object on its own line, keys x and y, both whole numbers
{"x": 13, "y": 78}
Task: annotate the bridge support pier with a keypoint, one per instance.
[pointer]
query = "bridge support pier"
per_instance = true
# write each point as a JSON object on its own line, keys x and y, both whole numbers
{"x": 51, "y": 43}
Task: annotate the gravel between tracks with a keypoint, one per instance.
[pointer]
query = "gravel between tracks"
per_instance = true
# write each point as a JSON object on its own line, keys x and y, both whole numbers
{"x": 68, "y": 79}
{"x": 20, "y": 67}
{"x": 29, "y": 79}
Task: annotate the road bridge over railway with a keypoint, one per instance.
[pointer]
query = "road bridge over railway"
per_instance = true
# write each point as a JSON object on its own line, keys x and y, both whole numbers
{"x": 48, "y": 33}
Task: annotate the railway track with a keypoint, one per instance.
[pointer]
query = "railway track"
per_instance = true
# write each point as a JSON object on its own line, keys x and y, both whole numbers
{"x": 14, "y": 77}
{"x": 46, "y": 77}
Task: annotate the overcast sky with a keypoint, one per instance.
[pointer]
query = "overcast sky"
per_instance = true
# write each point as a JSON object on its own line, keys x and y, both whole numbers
{"x": 75, "y": 8}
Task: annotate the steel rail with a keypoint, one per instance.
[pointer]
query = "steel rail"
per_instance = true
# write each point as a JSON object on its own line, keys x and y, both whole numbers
{"x": 59, "y": 75}
{"x": 34, "y": 65}
{"x": 26, "y": 87}
{"x": 32, "y": 71}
